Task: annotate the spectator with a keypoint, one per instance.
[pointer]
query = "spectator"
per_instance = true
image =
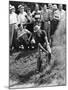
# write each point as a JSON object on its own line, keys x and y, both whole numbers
{"x": 24, "y": 36}
{"x": 50, "y": 6}
{"x": 45, "y": 19}
{"x": 30, "y": 20}
{"x": 22, "y": 15}
{"x": 13, "y": 24}
{"x": 55, "y": 19}
{"x": 13, "y": 15}
{"x": 50, "y": 11}
{"x": 29, "y": 15}
{"x": 36, "y": 14}
{"x": 61, "y": 12}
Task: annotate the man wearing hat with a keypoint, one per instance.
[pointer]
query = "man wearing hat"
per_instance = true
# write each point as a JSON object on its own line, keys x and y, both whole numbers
{"x": 55, "y": 21}
{"x": 29, "y": 20}
{"x": 36, "y": 14}
{"x": 42, "y": 43}
{"x": 46, "y": 21}
{"x": 12, "y": 24}
{"x": 61, "y": 12}
{"x": 29, "y": 15}
{"x": 13, "y": 15}
{"x": 22, "y": 15}
{"x": 24, "y": 36}
{"x": 50, "y": 11}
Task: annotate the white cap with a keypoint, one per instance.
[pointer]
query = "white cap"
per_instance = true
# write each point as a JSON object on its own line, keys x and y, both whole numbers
{"x": 12, "y": 7}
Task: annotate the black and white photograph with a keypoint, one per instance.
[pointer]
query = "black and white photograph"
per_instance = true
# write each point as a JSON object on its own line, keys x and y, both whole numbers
{"x": 37, "y": 44}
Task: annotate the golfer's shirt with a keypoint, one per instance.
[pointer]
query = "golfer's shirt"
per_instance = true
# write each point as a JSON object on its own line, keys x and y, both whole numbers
{"x": 22, "y": 18}
{"x": 40, "y": 39}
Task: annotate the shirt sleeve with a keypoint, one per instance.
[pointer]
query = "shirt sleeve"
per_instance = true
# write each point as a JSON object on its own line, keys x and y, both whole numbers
{"x": 18, "y": 22}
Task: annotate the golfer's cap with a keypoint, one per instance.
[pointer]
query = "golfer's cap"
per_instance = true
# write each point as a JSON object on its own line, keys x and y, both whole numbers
{"x": 54, "y": 6}
{"x": 20, "y": 7}
{"x": 36, "y": 28}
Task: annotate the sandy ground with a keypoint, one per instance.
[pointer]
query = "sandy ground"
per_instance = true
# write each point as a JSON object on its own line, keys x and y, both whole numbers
{"x": 22, "y": 72}
{"x": 23, "y": 65}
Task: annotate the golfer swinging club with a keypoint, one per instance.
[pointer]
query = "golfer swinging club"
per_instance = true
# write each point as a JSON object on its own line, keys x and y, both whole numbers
{"x": 43, "y": 44}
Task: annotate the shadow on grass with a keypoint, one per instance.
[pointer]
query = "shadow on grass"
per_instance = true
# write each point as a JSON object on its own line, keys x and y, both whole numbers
{"x": 22, "y": 79}
{"x": 25, "y": 53}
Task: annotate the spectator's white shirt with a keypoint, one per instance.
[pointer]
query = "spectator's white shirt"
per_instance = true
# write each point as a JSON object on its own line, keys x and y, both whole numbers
{"x": 21, "y": 18}
{"x": 13, "y": 18}
{"x": 36, "y": 14}
{"x": 62, "y": 14}
{"x": 59, "y": 14}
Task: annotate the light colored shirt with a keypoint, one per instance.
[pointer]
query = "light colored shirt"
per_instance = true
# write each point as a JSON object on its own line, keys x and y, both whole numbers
{"x": 45, "y": 15}
{"x": 36, "y": 14}
{"x": 59, "y": 14}
{"x": 50, "y": 11}
{"x": 22, "y": 18}
{"x": 13, "y": 18}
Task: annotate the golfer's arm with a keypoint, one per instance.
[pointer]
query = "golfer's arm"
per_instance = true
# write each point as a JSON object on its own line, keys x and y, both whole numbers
{"x": 48, "y": 46}
{"x": 40, "y": 46}
{"x": 46, "y": 40}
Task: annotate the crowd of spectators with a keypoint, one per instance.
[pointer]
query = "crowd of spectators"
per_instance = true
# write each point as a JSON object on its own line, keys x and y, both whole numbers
{"x": 25, "y": 21}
